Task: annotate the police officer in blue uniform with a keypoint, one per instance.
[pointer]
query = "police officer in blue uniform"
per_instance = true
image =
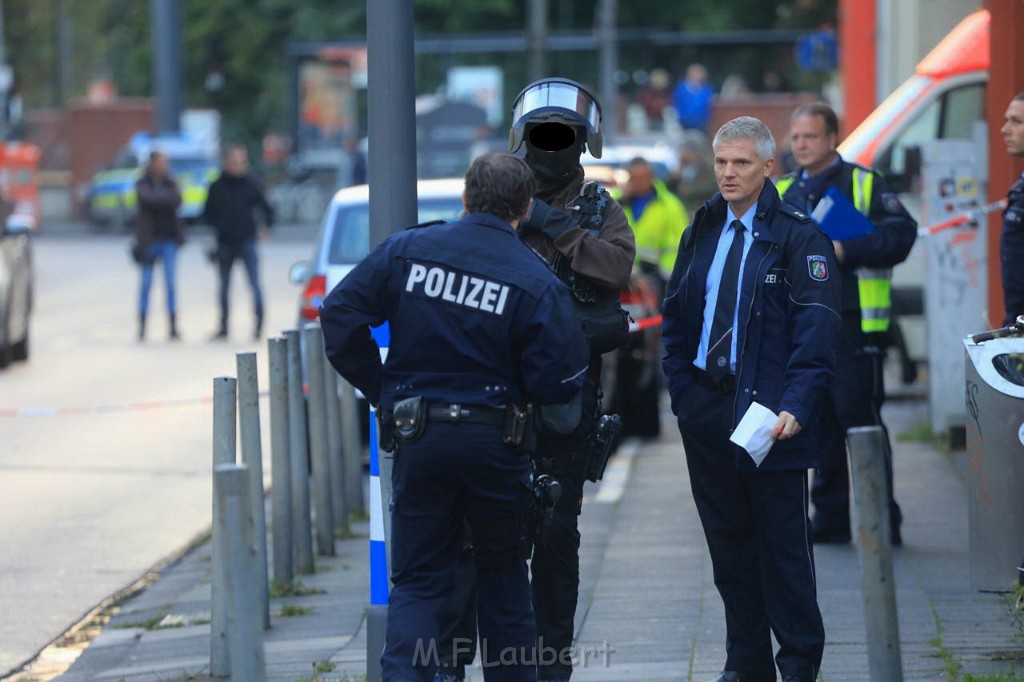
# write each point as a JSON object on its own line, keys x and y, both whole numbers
{"x": 865, "y": 268}
{"x": 480, "y": 328}
{"x": 1011, "y": 241}
{"x": 751, "y": 314}
{"x": 584, "y": 235}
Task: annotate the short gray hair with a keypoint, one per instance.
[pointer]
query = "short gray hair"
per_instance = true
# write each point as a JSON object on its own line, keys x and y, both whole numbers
{"x": 750, "y": 128}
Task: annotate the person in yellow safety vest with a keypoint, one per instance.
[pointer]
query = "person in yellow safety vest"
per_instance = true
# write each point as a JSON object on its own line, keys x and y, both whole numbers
{"x": 865, "y": 266}
{"x": 657, "y": 217}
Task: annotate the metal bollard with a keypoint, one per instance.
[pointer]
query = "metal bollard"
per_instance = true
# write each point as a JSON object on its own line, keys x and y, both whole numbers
{"x": 337, "y": 464}
{"x": 302, "y": 533}
{"x": 871, "y": 518}
{"x": 235, "y": 534}
{"x": 224, "y": 435}
{"x": 352, "y": 450}
{"x": 319, "y": 456}
{"x": 280, "y": 467}
{"x": 252, "y": 457}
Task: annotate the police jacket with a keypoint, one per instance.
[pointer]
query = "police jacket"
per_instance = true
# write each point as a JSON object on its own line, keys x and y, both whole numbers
{"x": 888, "y": 245}
{"x": 231, "y": 206}
{"x": 788, "y": 319}
{"x": 1011, "y": 252}
{"x": 158, "y": 201}
{"x": 475, "y": 318}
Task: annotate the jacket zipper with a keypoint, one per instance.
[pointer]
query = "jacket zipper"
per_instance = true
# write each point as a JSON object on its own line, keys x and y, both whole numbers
{"x": 746, "y": 324}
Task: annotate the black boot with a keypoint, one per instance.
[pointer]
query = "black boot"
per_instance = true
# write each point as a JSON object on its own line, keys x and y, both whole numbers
{"x": 142, "y": 326}
{"x": 174, "y": 327}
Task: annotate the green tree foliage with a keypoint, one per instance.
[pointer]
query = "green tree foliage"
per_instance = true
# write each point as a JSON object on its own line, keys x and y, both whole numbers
{"x": 245, "y": 42}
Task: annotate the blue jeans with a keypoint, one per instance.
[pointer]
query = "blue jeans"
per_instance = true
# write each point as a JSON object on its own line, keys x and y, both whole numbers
{"x": 165, "y": 251}
{"x": 246, "y": 251}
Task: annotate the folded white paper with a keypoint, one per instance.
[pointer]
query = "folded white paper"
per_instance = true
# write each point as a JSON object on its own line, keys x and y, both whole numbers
{"x": 754, "y": 432}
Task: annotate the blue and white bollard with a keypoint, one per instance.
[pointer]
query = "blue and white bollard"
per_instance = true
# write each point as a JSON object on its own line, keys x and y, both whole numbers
{"x": 377, "y": 613}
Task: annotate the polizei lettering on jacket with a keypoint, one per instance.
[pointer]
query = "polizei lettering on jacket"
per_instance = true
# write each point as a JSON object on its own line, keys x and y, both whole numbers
{"x": 455, "y": 287}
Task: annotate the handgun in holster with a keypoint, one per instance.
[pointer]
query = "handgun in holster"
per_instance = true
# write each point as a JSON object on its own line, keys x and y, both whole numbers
{"x": 546, "y": 492}
{"x": 603, "y": 441}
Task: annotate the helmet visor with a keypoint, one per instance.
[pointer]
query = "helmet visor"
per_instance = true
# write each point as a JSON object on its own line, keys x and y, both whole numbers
{"x": 575, "y": 102}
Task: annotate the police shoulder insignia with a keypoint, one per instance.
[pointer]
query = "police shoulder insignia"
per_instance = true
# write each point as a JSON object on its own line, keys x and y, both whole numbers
{"x": 891, "y": 203}
{"x": 426, "y": 224}
{"x": 794, "y": 212}
{"x": 817, "y": 267}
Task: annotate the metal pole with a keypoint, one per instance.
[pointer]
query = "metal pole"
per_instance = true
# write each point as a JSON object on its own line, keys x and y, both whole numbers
{"x": 334, "y": 454}
{"x": 538, "y": 39}
{"x": 165, "y": 24}
{"x": 392, "y": 173}
{"x": 391, "y": 99}
{"x": 607, "y": 31}
{"x": 352, "y": 449}
{"x": 235, "y": 533}
{"x": 871, "y": 519}
{"x": 302, "y": 534}
{"x": 280, "y": 467}
{"x": 252, "y": 457}
{"x": 224, "y": 391}
{"x": 313, "y": 340}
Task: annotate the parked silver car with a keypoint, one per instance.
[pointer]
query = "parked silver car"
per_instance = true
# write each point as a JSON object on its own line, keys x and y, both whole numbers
{"x": 15, "y": 286}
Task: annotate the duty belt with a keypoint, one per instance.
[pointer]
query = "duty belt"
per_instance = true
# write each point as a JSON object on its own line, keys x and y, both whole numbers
{"x": 468, "y": 414}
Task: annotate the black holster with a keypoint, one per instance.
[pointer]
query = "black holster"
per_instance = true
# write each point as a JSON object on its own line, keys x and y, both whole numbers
{"x": 603, "y": 442}
{"x": 520, "y": 431}
{"x": 410, "y": 418}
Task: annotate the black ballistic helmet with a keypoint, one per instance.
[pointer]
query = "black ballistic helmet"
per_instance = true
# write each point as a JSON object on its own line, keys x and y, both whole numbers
{"x": 556, "y": 100}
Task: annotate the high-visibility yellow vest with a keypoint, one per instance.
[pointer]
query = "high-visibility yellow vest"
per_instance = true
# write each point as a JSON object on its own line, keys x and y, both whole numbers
{"x": 874, "y": 285}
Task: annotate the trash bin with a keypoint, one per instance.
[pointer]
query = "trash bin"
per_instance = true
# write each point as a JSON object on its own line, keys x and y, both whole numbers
{"x": 994, "y": 392}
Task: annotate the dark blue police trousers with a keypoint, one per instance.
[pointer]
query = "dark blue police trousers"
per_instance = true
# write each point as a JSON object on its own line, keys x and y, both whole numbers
{"x": 455, "y": 474}
{"x": 758, "y": 535}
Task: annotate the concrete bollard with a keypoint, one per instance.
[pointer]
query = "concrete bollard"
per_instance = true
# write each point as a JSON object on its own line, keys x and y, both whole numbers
{"x": 871, "y": 518}
{"x": 319, "y": 455}
{"x": 234, "y": 533}
{"x": 334, "y": 452}
{"x": 302, "y": 534}
{"x": 352, "y": 450}
{"x": 252, "y": 456}
{"x": 280, "y": 467}
{"x": 224, "y": 443}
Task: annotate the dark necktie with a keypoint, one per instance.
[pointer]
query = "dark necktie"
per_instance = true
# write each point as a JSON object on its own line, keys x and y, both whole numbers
{"x": 719, "y": 356}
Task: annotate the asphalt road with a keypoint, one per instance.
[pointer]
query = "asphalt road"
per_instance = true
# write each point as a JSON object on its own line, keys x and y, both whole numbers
{"x": 105, "y": 442}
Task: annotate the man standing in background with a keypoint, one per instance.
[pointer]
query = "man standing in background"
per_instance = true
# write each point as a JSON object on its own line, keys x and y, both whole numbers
{"x": 232, "y": 205}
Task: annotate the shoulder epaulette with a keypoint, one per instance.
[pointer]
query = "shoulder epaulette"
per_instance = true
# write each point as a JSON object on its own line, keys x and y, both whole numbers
{"x": 426, "y": 224}
{"x": 794, "y": 212}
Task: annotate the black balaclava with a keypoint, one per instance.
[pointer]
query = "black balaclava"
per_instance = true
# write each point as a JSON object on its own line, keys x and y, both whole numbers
{"x": 553, "y": 153}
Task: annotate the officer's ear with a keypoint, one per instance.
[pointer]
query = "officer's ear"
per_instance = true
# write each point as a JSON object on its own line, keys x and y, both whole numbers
{"x": 464, "y": 208}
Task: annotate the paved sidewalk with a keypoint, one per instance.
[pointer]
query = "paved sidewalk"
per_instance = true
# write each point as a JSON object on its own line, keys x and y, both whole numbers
{"x": 648, "y": 610}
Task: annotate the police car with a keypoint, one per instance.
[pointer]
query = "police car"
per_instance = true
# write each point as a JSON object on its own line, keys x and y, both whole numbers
{"x": 110, "y": 197}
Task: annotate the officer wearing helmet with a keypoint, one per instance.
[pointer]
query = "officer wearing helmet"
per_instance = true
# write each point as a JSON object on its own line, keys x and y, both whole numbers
{"x": 584, "y": 235}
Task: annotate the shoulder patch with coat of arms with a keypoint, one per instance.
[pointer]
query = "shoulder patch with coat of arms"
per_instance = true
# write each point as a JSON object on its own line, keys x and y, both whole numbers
{"x": 817, "y": 268}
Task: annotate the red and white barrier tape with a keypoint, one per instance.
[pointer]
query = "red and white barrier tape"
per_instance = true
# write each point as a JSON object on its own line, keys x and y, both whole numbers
{"x": 962, "y": 220}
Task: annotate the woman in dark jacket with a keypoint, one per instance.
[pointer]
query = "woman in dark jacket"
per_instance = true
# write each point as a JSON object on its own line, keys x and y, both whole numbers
{"x": 158, "y": 234}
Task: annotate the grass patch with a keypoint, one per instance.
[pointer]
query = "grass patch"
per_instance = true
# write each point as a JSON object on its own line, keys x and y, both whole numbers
{"x": 292, "y": 610}
{"x": 921, "y": 433}
{"x": 321, "y": 668}
{"x": 293, "y": 589}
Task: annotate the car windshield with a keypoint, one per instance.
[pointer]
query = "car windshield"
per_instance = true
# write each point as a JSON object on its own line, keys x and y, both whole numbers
{"x": 190, "y": 165}
{"x": 350, "y": 238}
